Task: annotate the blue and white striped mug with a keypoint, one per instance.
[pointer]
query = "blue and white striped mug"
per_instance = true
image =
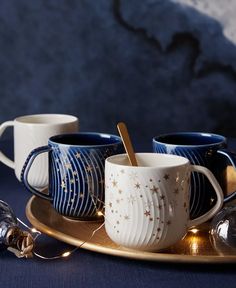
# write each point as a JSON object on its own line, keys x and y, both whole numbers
{"x": 205, "y": 149}
{"x": 76, "y": 172}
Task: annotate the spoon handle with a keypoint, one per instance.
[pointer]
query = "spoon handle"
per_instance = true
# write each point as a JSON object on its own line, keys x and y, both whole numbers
{"x": 127, "y": 143}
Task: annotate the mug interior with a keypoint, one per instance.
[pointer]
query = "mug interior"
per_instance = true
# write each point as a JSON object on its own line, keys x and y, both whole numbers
{"x": 149, "y": 160}
{"x": 47, "y": 119}
{"x": 86, "y": 139}
{"x": 190, "y": 139}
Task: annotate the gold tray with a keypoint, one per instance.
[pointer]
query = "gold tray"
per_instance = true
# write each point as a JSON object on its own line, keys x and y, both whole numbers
{"x": 195, "y": 247}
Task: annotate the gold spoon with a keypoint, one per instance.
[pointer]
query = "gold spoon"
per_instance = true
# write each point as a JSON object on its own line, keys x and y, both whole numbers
{"x": 124, "y": 134}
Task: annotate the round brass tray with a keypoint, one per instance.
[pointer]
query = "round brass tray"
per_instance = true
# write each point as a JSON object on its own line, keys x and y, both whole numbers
{"x": 195, "y": 247}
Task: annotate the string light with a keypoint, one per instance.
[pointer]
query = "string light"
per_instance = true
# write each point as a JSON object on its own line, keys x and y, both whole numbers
{"x": 64, "y": 254}
{"x": 35, "y": 233}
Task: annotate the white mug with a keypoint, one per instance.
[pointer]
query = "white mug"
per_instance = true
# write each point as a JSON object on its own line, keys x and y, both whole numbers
{"x": 30, "y": 132}
{"x": 147, "y": 206}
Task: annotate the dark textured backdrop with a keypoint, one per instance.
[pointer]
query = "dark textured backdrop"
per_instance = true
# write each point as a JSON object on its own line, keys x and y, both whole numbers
{"x": 155, "y": 64}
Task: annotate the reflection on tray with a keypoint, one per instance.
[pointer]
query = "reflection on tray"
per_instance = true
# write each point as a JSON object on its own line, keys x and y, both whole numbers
{"x": 196, "y": 242}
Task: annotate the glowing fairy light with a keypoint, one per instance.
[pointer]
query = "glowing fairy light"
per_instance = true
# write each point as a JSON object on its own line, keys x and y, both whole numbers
{"x": 194, "y": 230}
{"x": 33, "y": 230}
{"x": 99, "y": 213}
{"x": 66, "y": 254}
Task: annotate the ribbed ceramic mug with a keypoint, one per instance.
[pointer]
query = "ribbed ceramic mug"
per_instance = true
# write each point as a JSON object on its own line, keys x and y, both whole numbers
{"x": 147, "y": 206}
{"x": 208, "y": 150}
{"x": 76, "y": 172}
{"x": 32, "y": 131}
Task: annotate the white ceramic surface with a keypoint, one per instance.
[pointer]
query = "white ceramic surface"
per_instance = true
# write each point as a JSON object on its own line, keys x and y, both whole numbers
{"x": 147, "y": 206}
{"x": 30, "y": 132}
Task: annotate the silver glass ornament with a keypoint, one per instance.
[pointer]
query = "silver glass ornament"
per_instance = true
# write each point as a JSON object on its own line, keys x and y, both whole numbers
{"x": 11, "y": 236}
{"x": 223, "y": 230}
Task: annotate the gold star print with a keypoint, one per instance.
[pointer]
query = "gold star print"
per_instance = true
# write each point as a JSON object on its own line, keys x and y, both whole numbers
{"x": 78, "y": 155}
{"x": 81, "y": 195}
{"x": 110, "y": 204}
{"x": 162, "y": 197}
{"x": 147, "y": 213}
{"x": 154, "y": 189}
{"x": 89, "y": 180}
{"x": 114, "y": 183}
{"x": 120, "y": 191}
{"x": 158, "y": 229}
{"x": 89, "y": 168}
{"x": 74, "y": 173}
{"x": 167, "y": 176}
{"x": 149, "y": 203}
{"x": 117, "y": 201}
{"x": 72, "y": 181}
{"x": 151, "y": 219}
{"x": 126, "y": 217}
{"x": 168, "y": 222}
{"x": 137, "y": 186}
{"x": 63, "y": 185}
{"x": 68, "y": 166}
{"x": 101, "y": 182}
{"x": 122, "y": 171}
{"x": 133, "y": 175}
{"x": 176, "y": 191}
{"x": 131, "y": 199}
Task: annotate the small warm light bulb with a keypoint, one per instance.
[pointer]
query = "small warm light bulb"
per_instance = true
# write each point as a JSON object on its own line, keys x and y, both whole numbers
{"x": 34, "y": 230}
{"x": 66, "y": 254}
{"x": 194, "y": 230}
{"x": 99, "y": 213}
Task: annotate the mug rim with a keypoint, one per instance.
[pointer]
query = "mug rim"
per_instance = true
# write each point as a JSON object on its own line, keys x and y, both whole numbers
{"x": 182, "y": 161}
{"x": 58, "y": 118}
{"x": 53, "y": 139}
{"x": 222, "y": 139}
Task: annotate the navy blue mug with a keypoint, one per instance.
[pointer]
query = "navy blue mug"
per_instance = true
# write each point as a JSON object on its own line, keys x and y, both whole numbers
{"x": 76, "y": 172}
{"x": 205, "y": 149}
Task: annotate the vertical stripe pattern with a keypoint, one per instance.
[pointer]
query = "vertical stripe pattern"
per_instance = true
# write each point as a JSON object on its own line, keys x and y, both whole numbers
{"x": 202, "y": 195}
{"x": 77, "y": 179}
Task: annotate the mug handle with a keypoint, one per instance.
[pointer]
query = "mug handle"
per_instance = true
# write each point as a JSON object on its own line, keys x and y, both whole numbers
{"x": 231, "y": 156}
{"x": 26, "y": 168}
{"x": 3, "y": 158}
{"x": 219, "y": 193}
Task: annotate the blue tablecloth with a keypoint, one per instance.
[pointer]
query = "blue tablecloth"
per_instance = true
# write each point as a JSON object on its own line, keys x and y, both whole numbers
{"x": 90, "y": 269}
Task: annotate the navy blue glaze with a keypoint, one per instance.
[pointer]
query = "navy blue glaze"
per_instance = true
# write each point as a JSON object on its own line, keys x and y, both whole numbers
{"x": 205, "y": 149}
{"x": 76, "y": 172}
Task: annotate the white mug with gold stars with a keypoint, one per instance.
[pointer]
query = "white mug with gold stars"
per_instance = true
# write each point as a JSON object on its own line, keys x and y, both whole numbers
{"x": 147, "y": 206}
